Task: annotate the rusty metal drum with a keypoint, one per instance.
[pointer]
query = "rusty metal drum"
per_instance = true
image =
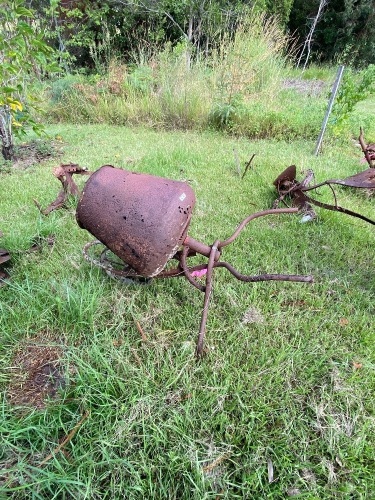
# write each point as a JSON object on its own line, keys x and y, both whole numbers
{"x": 141, "y": 218}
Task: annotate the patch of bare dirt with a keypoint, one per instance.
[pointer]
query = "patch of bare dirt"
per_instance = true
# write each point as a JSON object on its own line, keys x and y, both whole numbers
{"x": 308, "y": 87}
{"x": 37, "y": 373}
{"x": 252, "y": 315}
{"x": 28, "y": 154}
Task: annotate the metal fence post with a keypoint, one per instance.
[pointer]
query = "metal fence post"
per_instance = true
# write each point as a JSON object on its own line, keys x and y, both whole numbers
{"x": 329, "y": 109}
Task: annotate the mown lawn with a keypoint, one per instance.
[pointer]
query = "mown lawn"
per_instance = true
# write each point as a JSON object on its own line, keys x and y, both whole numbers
{"x": 282, "y": 402}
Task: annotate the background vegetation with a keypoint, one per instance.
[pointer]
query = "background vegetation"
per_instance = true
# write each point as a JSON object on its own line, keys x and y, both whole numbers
{"x": 86, "y": 32}
{"x": 187, "y": 65}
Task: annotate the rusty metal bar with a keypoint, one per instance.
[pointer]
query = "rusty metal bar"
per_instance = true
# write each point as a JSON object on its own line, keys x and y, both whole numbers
{"x": 265, "y": 277}
{"x": 336, "y": 208}
{"x": 187, "y": 272}
{"x": 273, "y": 211}
{"x": 199, "y": 247}
{"x": 207, "y": 295}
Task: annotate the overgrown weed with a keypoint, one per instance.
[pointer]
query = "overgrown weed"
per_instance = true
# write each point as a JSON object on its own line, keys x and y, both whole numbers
{"x": 237, "y": 89}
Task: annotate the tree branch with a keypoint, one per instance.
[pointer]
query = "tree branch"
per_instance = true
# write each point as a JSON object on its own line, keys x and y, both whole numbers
{"x": 149, "y": 9}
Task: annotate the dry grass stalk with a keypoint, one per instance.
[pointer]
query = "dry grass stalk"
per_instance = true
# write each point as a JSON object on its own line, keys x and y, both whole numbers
{"x": 68, "y": 438}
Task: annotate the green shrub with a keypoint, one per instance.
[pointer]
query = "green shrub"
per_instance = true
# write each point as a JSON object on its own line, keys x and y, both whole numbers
{"x": 140, "y": 79}
{"x": 223, "y": 114}
{"x": 63, "y": 86}
{"x": 355, "y": 88}
{"x": 238, "y": 89}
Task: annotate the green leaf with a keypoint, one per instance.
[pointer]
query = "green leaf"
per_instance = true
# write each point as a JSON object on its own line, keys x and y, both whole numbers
{"x": 8, "y": 90}
{"x": 25, "y": 28}
{"x": 22, "y": 11}
{"x": 52, "y": 68}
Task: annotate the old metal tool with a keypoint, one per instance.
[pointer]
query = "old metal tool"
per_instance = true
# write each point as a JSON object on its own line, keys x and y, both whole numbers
{"x": 64, "y": 173}
{"x": 144, "y": 220}
{"x": 4, "y": 257}
{"x": 287, "y": 185}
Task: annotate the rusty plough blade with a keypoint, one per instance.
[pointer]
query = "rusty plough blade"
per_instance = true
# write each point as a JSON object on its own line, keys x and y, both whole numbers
{"x": 64, "y": 173}
{"x": 288, "y": 186}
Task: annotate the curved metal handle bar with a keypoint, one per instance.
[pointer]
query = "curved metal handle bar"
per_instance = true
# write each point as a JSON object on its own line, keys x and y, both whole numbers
{"x": 241, "y": 277}
{"x": 187, "y": 271}
{"x": 264, "y": 277}
{"x": 184, "y": 270}
{"x": 272, "y": 211}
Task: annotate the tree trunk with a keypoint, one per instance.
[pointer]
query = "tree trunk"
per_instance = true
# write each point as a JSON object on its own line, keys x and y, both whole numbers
{"x": 7, "y": 152}
{"x": 6, "y": 133}
{"x": 189, "y": 42}
{"x": 309, "y": 38}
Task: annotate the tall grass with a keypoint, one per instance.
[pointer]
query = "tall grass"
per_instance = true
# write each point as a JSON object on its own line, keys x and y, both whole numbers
{"x": 248, "y": 68}
{"x": 237, "y": 88}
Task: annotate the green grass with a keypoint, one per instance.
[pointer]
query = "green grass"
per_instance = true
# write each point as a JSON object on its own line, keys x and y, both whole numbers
{"x": 294, "y": 389}
{"x": 314, "y": 72}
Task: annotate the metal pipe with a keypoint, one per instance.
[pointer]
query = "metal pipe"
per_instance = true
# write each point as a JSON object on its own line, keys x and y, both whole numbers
{"x": 329, "y": 109}
{"x": 272, "y": 211}
{"x": 199, "y": 247}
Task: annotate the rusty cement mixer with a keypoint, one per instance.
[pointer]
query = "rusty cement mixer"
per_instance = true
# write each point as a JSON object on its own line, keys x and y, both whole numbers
{"x": 144, "y": 220}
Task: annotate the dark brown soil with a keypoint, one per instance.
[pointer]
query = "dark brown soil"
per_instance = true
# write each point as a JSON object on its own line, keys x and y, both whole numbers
{"x": 38, "y": 373}
{"x": 34, "y": 152}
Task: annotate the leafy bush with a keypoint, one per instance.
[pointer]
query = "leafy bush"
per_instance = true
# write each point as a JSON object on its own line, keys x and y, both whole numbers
{"x": 61, "y": 87}
{"x": 223, "y": 114}
{"x": 24, "y": 57}
{"x": 238, "y": 89}
{"x": 355, "y": 87}
{"x": 141, "y": 79}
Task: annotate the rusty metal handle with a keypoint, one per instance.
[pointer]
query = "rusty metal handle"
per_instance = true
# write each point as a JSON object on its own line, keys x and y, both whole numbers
{"x": 207, "y": 296}
{"x": 273, "y": 211}
{"x": 199, "y": 247}
{"x": 264, "y": 277}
